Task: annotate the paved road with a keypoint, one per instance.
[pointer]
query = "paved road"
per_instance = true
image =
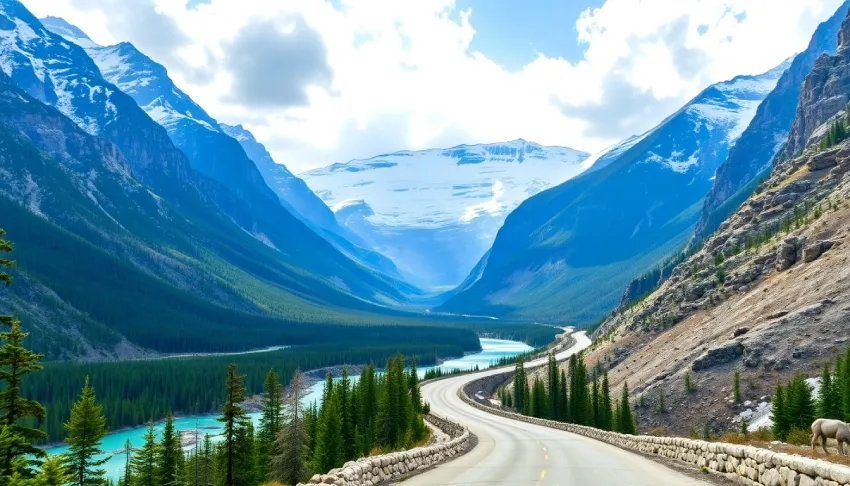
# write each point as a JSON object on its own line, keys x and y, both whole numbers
{"x": 512, "y": 452}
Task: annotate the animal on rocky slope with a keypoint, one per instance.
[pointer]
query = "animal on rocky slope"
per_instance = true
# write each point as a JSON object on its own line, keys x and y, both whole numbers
{"x": 830, "y": 429}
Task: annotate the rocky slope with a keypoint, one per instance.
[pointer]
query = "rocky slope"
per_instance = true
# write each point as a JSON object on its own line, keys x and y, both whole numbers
{"x": 435, "y": 212}
{"x": 752, "y": 154}
{"x": 767, "y": 296}
{"x": 583, "y": 241}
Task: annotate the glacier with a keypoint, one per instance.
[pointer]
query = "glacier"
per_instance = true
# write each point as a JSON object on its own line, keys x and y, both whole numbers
{"x": 436, "y": 212}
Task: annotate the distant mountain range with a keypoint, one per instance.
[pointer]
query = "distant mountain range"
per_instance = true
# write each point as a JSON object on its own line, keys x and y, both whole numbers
{"x": 751, "y": 157}
{"x": 566, "y": 254}
{"x": 172, "y": 237}
{"x": 436, "y": 212}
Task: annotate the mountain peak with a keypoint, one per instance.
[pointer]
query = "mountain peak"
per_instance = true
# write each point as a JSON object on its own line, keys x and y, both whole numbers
{"x": 68, "y": 31}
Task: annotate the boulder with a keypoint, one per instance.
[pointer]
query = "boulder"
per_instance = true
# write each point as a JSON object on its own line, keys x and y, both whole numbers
{"x": 718, "y": 356}
{"x": 823, "y": 160}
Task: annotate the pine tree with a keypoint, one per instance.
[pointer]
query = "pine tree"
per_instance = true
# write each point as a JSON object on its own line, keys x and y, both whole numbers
{"x": 800, "y": 404}
{"x": 626, "y": 421}
{"x": 84, "y": 430}
{"x": 145, "y": 462}
{"x": 736, "y": 387}
{"x": 606, "y": 413}
{"x": 415, "y": 392}
{"x": 16, "y": 362}
{"x": 368, "y": 399}
{"x": 128, "y": 471}
{"x": 290, "y": 465}
{"x": 245, "y": 457}
{"x": 689, "y": 384}
{"x": 346, "y": 406}
{"x": 312, "y": 424}
{"x": 520, "y": 386}
{"x": 233, "y": 418}
{"x": 206, "y": 470}
{"x": 170, "y": 452}
{"x": 594, "y": 402}
{"x": 330, "y": 451}
{"x": 563, "y": 401}
{"x": 845, "y": 385}
{"x": 271, "y": 409}
{"x": 781, "y": 424}
{"x": 539, "y": 400}
{"x": 52, "y": 473}
{"x": 826, "y": 403}
{"x": 553, "y": 377}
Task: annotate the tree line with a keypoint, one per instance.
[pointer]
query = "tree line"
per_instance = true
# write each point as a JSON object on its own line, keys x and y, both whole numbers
{"x": 795, "y": 406}
{"x": 572, "y": 396}
{"x": 377, "y": 413}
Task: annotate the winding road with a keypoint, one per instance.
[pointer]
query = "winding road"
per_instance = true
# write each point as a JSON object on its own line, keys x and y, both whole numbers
{"x": 512, "y": 452}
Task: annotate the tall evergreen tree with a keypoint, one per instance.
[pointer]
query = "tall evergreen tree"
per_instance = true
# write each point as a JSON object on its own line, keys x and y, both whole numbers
{"x": 145, "y": 462}
{"x": 736, "y": 387}
{"x": 415, "y": 392}
{"x": 800, "y": 404}
{"x": 291, "y": 464}
{"x": 271, "y": 409}
{"x": 206, "y": 463}
{"x": 346, "y": 403}
{"x": 554, "y": 380}
{"x": 128, "y": 471}
{"x": 394, "y": 407}
{"x": 520, "y": 386}
{"x": 626, "y": 421}
{"x": 368, "y": 399}
{"x": 233, "y": 417}
{"x": 245, "y": 457}
{"x": 827, "y": 406}
{"x": 844, "y": 379}
{"x": 595, "y": 403}
{"x": 779, "y": 411}
{"x": 563, "y": 400}
{"x": 16, "y": 363}
{"x": 330, "y": 451}
{"x": 84, "y": 430}
{"x": 170, "y": 453}
{"x": 539, "y": 400}
{"x": 605, "y": 411}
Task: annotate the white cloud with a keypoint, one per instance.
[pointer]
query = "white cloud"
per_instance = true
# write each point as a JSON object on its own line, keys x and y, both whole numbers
{"x": 403, "y": 76}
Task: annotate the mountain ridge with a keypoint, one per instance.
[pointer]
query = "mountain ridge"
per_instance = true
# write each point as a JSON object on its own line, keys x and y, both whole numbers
{"x": 410, "y": 204}
{"x": 602, "y": 227}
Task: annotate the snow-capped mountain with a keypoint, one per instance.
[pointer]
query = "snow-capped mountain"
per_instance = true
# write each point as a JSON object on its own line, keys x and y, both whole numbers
{"x": 752, "y": 155}
{"x": 435, "y": 212}
{"x": 210, "y": 148}
{"x": 221, "y": 193}
{"x": 637, "y": 203}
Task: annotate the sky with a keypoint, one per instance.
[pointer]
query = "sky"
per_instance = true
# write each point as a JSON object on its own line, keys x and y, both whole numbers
{"x": 324, "y": 81}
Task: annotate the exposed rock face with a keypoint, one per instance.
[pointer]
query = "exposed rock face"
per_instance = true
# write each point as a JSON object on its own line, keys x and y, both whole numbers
{"x": 823, "y": 95}
{"x": 753, "y": 152}
{"x": 718, "y": 356}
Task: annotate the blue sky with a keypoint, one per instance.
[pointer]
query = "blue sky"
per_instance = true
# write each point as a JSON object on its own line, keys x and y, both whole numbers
{"x": 512, "y": 32}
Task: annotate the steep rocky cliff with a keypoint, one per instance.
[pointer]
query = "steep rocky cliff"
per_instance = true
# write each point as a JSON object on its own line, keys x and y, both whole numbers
{"x": 752, "y": 154}
{"x": 767, "y": 295}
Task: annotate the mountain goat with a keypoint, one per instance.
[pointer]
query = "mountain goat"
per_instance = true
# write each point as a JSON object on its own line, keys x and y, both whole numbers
{"x": 830, "y": 429}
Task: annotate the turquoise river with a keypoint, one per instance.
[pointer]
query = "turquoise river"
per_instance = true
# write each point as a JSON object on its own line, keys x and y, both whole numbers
{"x": 113, "y": 443}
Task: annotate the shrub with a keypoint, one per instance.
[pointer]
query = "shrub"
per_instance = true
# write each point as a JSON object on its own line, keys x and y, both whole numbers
{"x": 734, "y": 438}
{"x": 763, "y": 434}
{"x": 799, "y": 437}
{"x": 657, "y": 432}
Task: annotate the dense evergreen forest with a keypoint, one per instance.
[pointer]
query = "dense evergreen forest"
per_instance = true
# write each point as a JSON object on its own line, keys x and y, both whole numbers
{"x": 134, "y": 392}
{"x": 574, "y": 396}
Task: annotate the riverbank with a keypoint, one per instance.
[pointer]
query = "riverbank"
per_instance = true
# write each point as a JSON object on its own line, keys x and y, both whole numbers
{"x": 114, "y": 442}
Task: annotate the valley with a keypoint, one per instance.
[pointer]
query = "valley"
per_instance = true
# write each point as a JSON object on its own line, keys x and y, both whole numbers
{"x": 348, "y": 243}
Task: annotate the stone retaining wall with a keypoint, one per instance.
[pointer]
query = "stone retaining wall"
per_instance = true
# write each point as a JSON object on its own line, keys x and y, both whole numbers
{"x": 370, "y": 471}
{"x": 744, "y": 465}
